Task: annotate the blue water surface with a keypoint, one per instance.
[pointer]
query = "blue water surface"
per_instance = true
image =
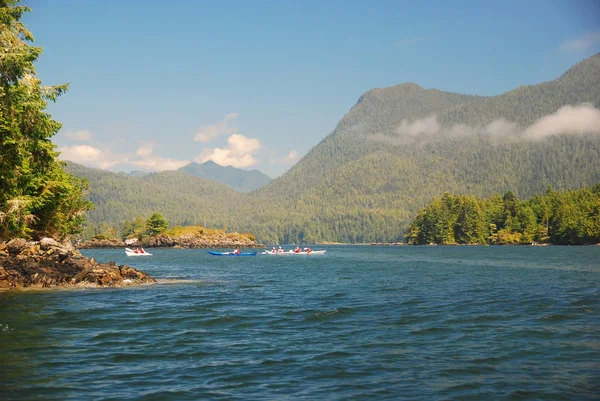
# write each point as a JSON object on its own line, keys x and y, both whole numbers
{"x": 361, "y": 322}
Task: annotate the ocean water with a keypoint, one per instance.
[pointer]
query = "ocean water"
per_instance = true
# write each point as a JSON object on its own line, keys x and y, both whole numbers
{"x": 360, "y": 323}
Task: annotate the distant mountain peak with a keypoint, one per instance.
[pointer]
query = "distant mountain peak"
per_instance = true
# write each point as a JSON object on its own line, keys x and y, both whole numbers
{"x": 406, "y": 88}
{"x": 410, "y": 86}
{"x": 238, "y": 179}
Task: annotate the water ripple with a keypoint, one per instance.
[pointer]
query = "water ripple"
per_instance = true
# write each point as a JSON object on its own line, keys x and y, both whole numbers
{"x": 415, "y": 323}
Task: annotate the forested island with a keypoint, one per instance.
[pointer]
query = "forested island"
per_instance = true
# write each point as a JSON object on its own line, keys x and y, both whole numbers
{"x": 155, "y": 232}
{"x": 569, "y": 217}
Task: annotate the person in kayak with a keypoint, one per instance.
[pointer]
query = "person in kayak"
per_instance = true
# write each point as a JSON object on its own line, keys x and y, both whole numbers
{"x": 308, "y": 250}
{"x": 236, "y": 251}
{"x": 142, "y": 250}
{"x": 280, "y": 250}
{"x": 273, "y": 250}
{"x": 297, "y": 250}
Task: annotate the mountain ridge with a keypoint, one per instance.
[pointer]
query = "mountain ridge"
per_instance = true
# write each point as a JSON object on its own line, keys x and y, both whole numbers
{"x": 238, "y": 179}
{"x": 393, "y": 151}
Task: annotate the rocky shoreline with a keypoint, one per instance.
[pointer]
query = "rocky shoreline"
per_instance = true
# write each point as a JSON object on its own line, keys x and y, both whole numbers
{"x": 167, "y": 241}
{"x": 48, "y": 263}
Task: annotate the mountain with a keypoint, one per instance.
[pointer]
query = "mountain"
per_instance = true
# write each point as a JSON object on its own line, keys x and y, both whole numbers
{"x": 135, "y": 173}
{"x": 382, "y": 111}
{"x": 391, "y": 153}
{"x": 377, "y": 111}
{"x": 183, "y": 199}
{"x": 238, "y": 179}
{"x": 370, "y": 175}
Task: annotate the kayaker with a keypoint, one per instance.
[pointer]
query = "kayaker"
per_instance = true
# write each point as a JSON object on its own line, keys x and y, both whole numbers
{"x": 236, "y": 251}
{"x": 297, "y": 250}
{"x": 280, "y": 250}
{"x": 142, "y": 251}
{"x": 137, "y": 250}
{"x": 308, "y": 250}
{"x": 273, "y": 250}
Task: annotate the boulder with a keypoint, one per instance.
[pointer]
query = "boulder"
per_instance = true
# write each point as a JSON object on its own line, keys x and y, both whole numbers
{"x": 48, "y": 263}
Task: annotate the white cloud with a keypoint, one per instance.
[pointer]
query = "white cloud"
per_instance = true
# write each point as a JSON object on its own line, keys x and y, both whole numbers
{"x": 425, "y": 126}
{"x": 501, "y": 128}
{"x": 289, "y": 159}
{"x": 239, "y": 152}
{"x": 458, "y": 130}
{"x": 82, "y": 135}
{"x": 583, "y": 42}
{"x": 209, "y": 132}
{"x": 90, "y": 156}
{"x": 145, "y": 149}
{"x": 582, "y": 119}
{"x": 158, "y": 163}
{"x": 143, "y": 158}
{"x": 147, "y": 160}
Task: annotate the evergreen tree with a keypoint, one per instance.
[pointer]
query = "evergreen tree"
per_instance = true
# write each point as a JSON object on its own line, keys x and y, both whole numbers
{"x": 569, "y": 217}
{"x": 37, "y": 197}
{"x": 156, "y": 224}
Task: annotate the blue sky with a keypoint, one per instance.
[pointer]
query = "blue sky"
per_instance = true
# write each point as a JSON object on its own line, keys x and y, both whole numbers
{"x": 256, "y": 84}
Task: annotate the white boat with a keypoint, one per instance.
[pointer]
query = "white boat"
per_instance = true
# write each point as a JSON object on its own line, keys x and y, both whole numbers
{"x": 131, "y": 252}
{"x": 287, "y": 253}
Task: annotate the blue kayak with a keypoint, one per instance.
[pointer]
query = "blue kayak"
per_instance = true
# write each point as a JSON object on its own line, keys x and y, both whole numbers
{"x": 232, "y": 254}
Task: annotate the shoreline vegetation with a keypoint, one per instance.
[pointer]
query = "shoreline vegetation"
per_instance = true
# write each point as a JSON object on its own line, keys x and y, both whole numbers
{"x": 177, "y": 237}
{"x": 570, "y": 217}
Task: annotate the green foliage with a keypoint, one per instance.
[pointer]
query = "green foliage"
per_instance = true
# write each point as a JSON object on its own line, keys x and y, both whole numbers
{"x": 250, "y": 236}
{"x": 575, "y": 217}
{"x": 178, "y": 231}
{"x": 156, "y": 224}
{"x": 559, "y": 217}
{"x": 357, "y": 187}
{"x": 37, "y": 198}
{"x": 102, "y": 237}
{"x": 135, "y": 228}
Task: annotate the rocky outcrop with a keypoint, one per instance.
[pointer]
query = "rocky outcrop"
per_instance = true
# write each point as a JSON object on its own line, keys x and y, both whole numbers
{"x": 195, "y": 241}
{"x": 101, "y": 243}
{"x": 184, "y": 241}
{"x": 48, "y": 263}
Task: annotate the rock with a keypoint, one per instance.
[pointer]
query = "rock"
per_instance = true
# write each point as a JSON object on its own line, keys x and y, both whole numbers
{"x": 16, "y": 245}
{"x": 129, "y": 273}
{"x": 48, "y": 243}
{"x": 103, "y": 243}
{"x": 191, "y": 240}
{"x": 48, "y": 263}
{"x": 33, "y": 250}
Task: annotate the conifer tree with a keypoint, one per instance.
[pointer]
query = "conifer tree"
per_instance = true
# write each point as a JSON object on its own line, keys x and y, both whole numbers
{"x": 37, "y": 197}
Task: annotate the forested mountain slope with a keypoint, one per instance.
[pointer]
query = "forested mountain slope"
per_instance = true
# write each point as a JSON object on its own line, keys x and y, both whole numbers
{"x": 372, "y": 173}
{"x": 183, "y": 199}
{"x": 380, "y": 112}
{"x": 525, "y": 104}
{"x": 396, "y": 149}
{"x": 377, "y": 111}
{"x": 238, "y": 179}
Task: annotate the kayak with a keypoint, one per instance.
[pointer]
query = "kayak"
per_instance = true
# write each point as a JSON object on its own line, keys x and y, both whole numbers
{"x": 232, "y": 254}
{"x": 286, "y": 253}
{"x": 131, "y": 252}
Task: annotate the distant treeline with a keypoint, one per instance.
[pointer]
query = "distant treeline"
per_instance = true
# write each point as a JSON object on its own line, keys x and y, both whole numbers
{"x": 569, "y": 217}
